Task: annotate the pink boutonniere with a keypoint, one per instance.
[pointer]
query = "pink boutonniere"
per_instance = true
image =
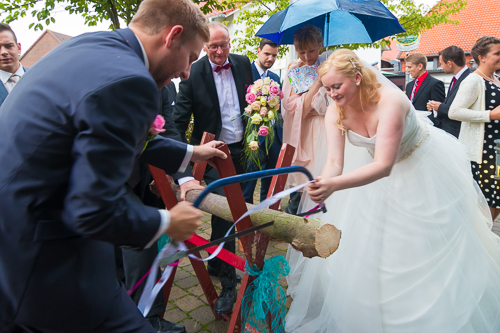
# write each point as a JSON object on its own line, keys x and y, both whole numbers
{"x": 155, "y": 129}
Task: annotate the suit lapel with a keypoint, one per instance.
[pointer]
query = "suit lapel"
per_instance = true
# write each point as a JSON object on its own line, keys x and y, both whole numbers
{"x": 208, "y": 79}
{"x": 422, "y": 86}
{"x": 3, "y": 93}
{"x": 255, "y": 72}
{"x": 454, "y": 90}
{"x": 238, "y": 81}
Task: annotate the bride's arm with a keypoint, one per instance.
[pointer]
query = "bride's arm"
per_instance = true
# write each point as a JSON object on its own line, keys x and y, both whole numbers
{"x": 389, "y": 133}
{"x": 335, "y": 145}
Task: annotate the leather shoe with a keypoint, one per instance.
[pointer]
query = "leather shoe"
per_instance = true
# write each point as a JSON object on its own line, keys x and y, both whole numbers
{"x": 225, "y": 302}
{"x": 215, "y": 272}
{"x": 161, "y": 325}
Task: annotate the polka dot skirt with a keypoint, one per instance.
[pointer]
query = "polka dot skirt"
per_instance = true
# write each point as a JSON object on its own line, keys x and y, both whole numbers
{"x": 484, "y": 173}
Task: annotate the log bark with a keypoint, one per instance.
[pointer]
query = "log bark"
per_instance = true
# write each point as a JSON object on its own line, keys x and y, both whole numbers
{"x": 312, "y": 237}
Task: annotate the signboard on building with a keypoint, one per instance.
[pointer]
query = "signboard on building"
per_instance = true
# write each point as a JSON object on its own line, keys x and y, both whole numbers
{"x": 408, "y": 43}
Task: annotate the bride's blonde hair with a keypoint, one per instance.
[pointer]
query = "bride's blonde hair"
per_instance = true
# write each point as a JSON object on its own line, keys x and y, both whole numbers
{"x": 348, "y": 63}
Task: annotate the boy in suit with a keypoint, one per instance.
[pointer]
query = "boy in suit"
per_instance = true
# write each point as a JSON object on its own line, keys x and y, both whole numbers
{"x": 452, "y": 60}
{"x": 424, "y": 88}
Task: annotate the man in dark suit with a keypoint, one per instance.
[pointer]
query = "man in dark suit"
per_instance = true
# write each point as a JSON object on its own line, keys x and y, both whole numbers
{"x": 11, "y": 69}
{"x": 215, "y": 96}
{"x": 452, "y": 61}
{"x": 266, "y": 56}
{"x": 69, "y": 135}
{"x": 133, "y": 264}
{"x": 424, "y": 88}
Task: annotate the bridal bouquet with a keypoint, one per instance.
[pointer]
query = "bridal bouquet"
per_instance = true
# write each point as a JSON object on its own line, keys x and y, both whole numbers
{"x": 263, "y": 98}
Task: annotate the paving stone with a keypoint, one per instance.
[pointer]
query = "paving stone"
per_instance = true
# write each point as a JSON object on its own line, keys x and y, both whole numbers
{"x": 187, "y": 282}
{"x": 203, "y": 298}
{"x": 203, "y": 315}
{"x": 272, "y": 250}
{"x": 176, "y": 293}
{"x": 288, "y": 302}
{"x": 188, "y": 303}
{"x": 174, "y": 315}
{"x": 283, "y": 282}
{"x": 170, "y": 306}
{"x": 219, "y": 326}
{"x": 191, "y": 325}
{"x": 184, "y": 262}
{"x": 196, "y": 290}
{"x": 181, "y": 274}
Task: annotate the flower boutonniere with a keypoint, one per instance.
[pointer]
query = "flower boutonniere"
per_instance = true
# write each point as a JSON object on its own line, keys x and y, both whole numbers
{"x": 155, "y": 129}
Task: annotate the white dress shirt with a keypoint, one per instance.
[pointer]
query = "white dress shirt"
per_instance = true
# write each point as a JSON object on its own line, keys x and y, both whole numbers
{"x": 232, "y": 125}
{"x": 165, "y": 214}
{"x": 260, "y": 70}
{"x": 5, "y": 76}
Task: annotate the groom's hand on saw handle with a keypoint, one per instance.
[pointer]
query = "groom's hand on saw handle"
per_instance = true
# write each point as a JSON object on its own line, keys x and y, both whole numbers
{"x": 184, "y": 220}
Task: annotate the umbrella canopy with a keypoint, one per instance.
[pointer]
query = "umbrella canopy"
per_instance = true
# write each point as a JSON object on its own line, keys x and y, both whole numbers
{"x": 342, "y": 21}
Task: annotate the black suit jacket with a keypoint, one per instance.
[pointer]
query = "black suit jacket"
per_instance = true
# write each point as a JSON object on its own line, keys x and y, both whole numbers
{"x": 430, "y": 89}
{"x": 70, "y": 133}
{"x": 449, "y": 125}
{"x": 198, "y": 97}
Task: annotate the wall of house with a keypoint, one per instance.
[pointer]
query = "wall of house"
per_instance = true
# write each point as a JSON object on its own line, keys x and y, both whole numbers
{"x": 43, "y": 46}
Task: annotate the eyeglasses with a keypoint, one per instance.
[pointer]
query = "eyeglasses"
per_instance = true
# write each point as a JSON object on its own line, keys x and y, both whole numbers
{"x": 214, "y": 48}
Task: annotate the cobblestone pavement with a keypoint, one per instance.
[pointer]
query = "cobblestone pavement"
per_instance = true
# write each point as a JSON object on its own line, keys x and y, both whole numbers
{"x": 187, "y": 304}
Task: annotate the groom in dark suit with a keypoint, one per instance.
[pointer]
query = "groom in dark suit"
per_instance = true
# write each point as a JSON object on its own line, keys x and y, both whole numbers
{"x": 266, "y": 56}
{"x": 424, "y": 88}
{"x": 70, "y": 133}
{"x": 11, "y": 69}
{"x": 215, "y": 95}
{"x": 452, "y": 61}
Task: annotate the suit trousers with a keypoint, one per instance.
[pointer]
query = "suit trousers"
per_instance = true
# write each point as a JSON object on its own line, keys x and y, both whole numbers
{"x": 227, "y": 273}
{"x": 123, "y": 318}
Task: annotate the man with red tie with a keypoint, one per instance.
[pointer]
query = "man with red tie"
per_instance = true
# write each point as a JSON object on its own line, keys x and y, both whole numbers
{"x": 424, "y": 88}
{"x": 214, "y": 95}
{"x": 452, "y": 60}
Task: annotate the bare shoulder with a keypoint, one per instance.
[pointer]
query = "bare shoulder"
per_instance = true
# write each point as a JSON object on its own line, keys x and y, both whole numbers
{"x": 393, "y": 100}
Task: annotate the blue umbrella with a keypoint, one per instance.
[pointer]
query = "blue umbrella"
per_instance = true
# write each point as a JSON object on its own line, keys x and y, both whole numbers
{"x": 342, "y": 21}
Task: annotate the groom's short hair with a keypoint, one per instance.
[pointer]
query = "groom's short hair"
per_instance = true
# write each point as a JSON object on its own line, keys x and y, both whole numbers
{"x": 155, "y": 15}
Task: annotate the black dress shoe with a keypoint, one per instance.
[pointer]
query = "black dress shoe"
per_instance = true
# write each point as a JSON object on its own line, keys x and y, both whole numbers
{"x": 214, "y": 272}
{"x": 225, "y": 302}
{"x": 161, "y": 325}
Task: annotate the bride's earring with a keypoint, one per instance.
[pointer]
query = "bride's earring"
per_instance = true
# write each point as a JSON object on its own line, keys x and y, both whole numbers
{"x": 357, "y": 83}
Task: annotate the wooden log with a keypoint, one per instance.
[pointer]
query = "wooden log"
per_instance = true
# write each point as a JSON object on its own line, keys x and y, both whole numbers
{"x": 312, "y": 237}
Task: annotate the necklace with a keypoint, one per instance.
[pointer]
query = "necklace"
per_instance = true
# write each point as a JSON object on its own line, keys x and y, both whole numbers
{"x": 486, "y": 76}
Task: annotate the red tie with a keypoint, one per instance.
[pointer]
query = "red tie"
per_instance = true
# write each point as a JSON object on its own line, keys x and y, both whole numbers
{"x": 453, "y": 82}
{"x": 219, "y": 68}
{"x": 413, "y": 90}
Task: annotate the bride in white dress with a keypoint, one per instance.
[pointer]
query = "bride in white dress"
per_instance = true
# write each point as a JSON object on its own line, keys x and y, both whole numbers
{"x": 417, "y": 254}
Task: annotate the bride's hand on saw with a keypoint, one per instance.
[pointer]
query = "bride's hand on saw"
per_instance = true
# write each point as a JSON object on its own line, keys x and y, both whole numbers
{"x": 321, "y": 189}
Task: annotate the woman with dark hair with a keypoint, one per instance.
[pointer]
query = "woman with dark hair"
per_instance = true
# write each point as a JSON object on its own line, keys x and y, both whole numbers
{"x": 477, "y": 105}
{"x": 417, "y": 253}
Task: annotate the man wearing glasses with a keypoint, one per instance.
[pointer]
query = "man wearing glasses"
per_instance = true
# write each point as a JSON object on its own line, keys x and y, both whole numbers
{"x": 215, "y": 95}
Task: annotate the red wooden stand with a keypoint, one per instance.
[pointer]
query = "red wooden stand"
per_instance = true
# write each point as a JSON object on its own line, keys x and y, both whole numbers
{"x": 237, "y": 205}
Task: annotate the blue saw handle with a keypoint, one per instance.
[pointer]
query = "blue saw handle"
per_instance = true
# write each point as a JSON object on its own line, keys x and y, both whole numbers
{"x": 249, "y": 176}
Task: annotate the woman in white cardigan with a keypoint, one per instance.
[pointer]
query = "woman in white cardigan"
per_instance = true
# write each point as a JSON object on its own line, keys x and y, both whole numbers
{"x": 477, "y": 105}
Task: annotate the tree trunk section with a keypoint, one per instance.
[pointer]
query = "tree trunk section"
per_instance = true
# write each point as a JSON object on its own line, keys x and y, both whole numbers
{"x": 312, "y": 237}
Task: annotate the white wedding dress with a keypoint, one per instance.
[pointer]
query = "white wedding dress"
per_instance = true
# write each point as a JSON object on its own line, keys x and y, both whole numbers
{"x": 416, "y": 253}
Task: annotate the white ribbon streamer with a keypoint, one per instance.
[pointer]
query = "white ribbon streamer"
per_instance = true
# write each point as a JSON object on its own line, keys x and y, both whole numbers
{"x": 151, "y": 289}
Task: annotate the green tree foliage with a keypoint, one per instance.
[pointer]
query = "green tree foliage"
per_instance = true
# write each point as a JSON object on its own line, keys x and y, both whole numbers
{"x": 414, "y": 18}
{"x": 113, "y": 11}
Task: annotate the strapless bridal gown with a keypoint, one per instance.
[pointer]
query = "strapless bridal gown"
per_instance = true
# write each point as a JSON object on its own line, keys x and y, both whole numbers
{"x": 416, "y": 254}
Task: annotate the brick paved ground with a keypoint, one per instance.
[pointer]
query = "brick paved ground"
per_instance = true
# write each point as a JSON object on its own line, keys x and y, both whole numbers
{"x": 187, "y": 304}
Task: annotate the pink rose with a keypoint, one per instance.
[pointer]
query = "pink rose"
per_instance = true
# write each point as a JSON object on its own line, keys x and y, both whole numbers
{"x": 157, "y": 126}
{"x": 281, "y": 95}
{"x": 274, "y": 90}
{"x": 263, "y": 112}
{"x": 250, "y": 98}
{"x": 249, "y": 89}
{"x": 263, "y": 131}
